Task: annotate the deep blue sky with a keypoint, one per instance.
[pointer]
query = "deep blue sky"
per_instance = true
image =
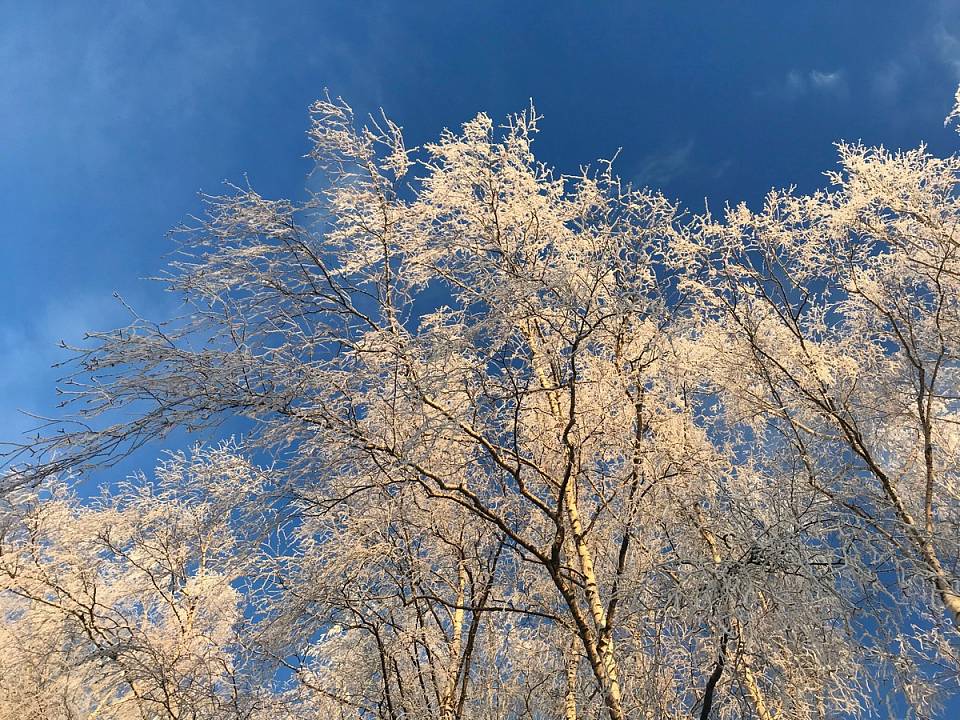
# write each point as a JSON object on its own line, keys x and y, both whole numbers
{"x": 114, "y": 114}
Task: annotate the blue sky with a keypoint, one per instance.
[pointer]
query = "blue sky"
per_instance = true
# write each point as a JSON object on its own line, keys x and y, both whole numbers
{"x": 114, "y": 114}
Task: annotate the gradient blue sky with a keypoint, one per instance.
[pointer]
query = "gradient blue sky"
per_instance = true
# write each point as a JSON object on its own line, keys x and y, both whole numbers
{"x": 114, "y": 114}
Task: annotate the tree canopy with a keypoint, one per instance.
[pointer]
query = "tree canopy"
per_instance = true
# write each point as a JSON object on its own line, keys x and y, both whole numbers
{"x": 524, "y": 445}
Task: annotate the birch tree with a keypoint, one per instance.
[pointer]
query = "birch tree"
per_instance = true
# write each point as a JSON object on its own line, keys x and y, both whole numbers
{"x": 844, "y": 305}
{"x": 127, "y": 606}
{"x": 835, "y": 323}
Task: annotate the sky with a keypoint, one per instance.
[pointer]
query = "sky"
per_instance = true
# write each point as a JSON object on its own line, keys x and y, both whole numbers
{"x": 113, "y": 115}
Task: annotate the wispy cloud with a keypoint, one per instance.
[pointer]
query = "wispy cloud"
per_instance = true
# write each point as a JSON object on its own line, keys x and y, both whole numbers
{"x": 28, "y": 351}
{"x": 916, "y": 70}
{"x": 81, "y": 75}
{"x": 680, "y": 160}
{"x": 661, "y": 167}
{"x": 827, "y": 81}
{"x": 887, "y": 82}
{"x": 948, "y": 49}
{"x": 797, "y": 84}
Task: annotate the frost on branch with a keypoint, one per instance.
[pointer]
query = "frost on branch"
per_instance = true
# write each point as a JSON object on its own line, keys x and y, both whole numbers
{"x": 128, "y": 605}
{"x": 955, "y": 112}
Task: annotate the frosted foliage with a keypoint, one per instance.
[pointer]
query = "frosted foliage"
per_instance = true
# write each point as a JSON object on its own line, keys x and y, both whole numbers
{"x": 534, "y": 446}
{"x": 125, "y": 605}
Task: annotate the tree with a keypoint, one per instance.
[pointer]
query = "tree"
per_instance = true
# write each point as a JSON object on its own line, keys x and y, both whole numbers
{"x": 844, "y": 305}
{"x": 127, "y": 606}
{"x": 542, "y": 446}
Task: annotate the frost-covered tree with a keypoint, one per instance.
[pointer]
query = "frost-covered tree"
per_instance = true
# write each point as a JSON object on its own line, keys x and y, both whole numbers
{"x": 128, "y": 605}
{"x": 835, "y": 323}
{"x": 541, "y": 446}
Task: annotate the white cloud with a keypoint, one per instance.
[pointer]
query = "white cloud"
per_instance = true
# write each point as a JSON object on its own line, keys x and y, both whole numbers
{"x": 797, "y": 84}
{"x": 831, "y": 81}
{"x": 662, "y": 167}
